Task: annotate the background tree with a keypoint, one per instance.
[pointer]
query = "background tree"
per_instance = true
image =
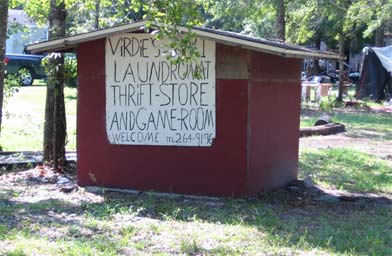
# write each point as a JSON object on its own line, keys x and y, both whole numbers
{"x": 308, "y": 25}
{"x": 335, "y": 22}
{"x": 373, "y": 16}
{"x": 55, "y": 122}
{"x": 280, "y": 7}
{"x": 335, "y": 12}
{"x": 3, "y": 38}
{"x": 169, "y": 15}
{"x": 228, "y": 15}
{"x": 324, "y": 20}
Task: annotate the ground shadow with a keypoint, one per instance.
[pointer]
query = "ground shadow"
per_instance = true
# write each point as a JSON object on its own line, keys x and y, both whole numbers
{"x": 368, "y": 133}
{"x": 294, "y": 214}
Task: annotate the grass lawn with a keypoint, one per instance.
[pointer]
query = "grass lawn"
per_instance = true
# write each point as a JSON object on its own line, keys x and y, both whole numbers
{"x": 346, "y": 162}
{"x": 124, "y": 224}
{"x": 23, "y": 119}
{"x": 356, "y": 122}
{"x": 347, "y": 169}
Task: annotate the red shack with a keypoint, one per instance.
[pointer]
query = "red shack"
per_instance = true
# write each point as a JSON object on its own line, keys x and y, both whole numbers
{"x": 225, "y": 125}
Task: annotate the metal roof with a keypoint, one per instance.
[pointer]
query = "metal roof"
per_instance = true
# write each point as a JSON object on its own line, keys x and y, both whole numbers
{"x": 224, "y": 37}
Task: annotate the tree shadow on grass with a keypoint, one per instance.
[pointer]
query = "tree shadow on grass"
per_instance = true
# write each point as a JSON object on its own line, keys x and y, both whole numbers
{"x": 368, "y": 133}
{"x": 366, "y": 125}
{"x": 347, "y": 169}
{"x": 288, "y": 220}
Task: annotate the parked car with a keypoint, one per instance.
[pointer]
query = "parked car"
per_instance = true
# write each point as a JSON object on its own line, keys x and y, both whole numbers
{"x": 26, "y": 65}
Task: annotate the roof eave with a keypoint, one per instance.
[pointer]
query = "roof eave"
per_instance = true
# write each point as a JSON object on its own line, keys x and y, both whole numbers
{"x": 72, "y": 42}
{"x": 262, "y": 47}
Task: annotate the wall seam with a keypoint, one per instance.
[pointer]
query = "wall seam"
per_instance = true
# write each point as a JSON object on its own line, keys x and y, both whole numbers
{"x": 248, "y": 128}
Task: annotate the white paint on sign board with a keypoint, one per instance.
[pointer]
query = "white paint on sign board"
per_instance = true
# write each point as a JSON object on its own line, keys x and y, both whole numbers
{"x": 150, "y": 101}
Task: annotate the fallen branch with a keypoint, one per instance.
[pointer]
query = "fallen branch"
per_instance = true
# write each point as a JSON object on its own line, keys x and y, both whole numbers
{"x": 326, "y": 129}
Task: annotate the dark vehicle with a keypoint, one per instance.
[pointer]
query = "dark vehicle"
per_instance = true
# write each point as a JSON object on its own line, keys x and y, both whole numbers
{"x": 27, "y": 66}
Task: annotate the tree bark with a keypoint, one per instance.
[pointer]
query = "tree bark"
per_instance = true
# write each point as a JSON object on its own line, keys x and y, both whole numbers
{"x": 280, "y": 20}
{"x": 341, "y": 68}
{"x": 3, "y": 39}
{"x": 379, "y": 40}
{"x": 96, "y": 16}
{"x": 55, "y": 122}
{"x": 314, "y": 69}
{"x": 326, "y": 129}
{"x": 317, "y": 44}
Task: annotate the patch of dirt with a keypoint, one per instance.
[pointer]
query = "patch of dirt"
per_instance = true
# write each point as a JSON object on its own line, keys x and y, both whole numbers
{"x": 365, "y": 140}
{"x": 298, "y": 193}
{"x": 40, "y": 184}
{"x": 365, "y": 144}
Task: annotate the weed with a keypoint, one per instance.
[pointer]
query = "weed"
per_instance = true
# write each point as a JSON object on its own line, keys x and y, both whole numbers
{"x": 15, "y": 252}
{"x": 140, "y": 245}
{"x": 327, "y": 105}
{"x": 127, "y": 230}
{"x": 91, "y": 176}
{"x": 189, "y": 246}
{"x": 3, "y": 231}
{"x": 74, "y": 231}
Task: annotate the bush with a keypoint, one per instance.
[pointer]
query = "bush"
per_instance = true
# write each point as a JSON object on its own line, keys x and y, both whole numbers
{"x": 11, "y": 86}
{"x": 70, "y": 68}
{"x": 71, "y": 71}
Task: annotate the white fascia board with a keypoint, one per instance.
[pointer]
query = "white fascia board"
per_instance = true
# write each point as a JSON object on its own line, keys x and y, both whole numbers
{"x": 261, "y": 47}
{"x": 70, "y": 42}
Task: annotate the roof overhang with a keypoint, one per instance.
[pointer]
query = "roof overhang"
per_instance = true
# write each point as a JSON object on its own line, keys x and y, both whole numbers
{"x": 72, "y": 42}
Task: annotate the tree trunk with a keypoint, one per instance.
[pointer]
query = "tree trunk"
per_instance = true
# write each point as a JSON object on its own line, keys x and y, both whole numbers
{"x": 55, "y": 123}
{"x": 314, "y": 69}
{"x": 3, "y": 38}
{"x": 317, "y": 44}
{"x": 97, "y": 8}
{"x": 280, "y": 20}
{"x": 326, "y": 129}
{"x": 379, "y": 40}
{"x": 341, "y": 68}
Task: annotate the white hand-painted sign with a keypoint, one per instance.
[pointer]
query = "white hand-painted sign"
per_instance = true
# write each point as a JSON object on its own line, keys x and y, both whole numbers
{"x": 150, "y": 101}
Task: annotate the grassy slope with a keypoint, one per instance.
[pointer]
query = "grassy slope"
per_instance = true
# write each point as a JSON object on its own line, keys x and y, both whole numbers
{"x": 23, "y": 119}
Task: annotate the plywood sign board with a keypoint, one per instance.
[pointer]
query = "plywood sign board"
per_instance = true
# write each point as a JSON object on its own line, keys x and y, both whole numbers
{"x": 150, "y": 101}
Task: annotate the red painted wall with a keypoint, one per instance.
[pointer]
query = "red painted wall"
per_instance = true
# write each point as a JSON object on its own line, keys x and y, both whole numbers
{"x": 274, "y": 121}
{"x": 253, "y": 151}
{"x": 217, "y": 170}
